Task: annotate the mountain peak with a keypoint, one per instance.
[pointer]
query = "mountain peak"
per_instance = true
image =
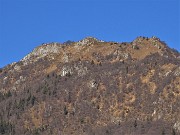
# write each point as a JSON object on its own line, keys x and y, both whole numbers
{"x": 138, "y": 48}
{"x": 41, "y": 51}
{"x": 92, "y": 87}
{"x": 88, "y": 40}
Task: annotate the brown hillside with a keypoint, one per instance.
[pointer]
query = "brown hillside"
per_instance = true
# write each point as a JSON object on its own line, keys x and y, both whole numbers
{"x": 92, "y": 87}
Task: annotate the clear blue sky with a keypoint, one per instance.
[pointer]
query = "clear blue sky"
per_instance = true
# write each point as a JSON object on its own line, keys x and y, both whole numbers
{"x": 25, "y": 24}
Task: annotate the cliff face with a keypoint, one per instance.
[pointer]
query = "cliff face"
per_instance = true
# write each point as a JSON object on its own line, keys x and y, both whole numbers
{"x": 93, "y": 87}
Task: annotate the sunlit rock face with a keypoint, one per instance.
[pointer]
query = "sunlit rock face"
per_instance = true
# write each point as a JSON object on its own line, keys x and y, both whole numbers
{"x": 88, "y": 41}
{"x": 42, "y": 51}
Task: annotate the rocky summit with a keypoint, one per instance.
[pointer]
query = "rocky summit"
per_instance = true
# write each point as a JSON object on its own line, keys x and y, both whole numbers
{"x": 93, "y": 87}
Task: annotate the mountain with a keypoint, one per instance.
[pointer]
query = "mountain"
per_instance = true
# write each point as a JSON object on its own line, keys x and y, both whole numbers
{"x": 93, "y": 87}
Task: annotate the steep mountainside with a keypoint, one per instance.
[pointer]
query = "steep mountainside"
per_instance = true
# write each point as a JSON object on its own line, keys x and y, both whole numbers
{"x": 93, "y": 87}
